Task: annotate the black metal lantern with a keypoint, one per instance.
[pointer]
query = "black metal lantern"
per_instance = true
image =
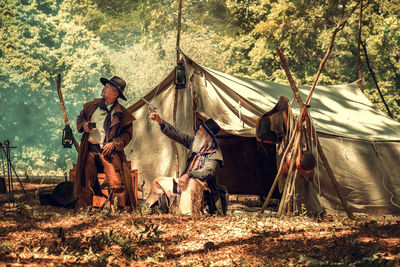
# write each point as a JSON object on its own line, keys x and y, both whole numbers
{"x": 180, "y": 76}
{"x": 67, "y": 137}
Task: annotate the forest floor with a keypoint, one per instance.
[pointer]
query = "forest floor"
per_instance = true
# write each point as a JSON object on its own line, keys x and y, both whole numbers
{"x": 35, "y": 235}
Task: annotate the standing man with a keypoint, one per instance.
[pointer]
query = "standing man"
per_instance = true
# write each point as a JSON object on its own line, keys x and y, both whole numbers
{"x": 107, "y": 129}
{"x": 205, "y": 158}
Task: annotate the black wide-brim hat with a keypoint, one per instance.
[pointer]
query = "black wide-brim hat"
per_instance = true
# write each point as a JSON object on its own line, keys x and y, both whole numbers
{"x": 211, "y": 127}
{"x": 118, "y": 82}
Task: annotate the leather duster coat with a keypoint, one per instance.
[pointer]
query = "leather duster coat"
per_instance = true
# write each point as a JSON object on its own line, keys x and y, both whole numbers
{"x": 121, "y": 129}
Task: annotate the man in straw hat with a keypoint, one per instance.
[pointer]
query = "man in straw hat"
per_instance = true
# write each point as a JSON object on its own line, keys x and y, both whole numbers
{"x": 107, "y": 128}
{"x": 199, "y": 175}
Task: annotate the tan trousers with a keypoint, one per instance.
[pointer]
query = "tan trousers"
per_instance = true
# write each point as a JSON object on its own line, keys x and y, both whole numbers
{"x": 191, "y": 197}
{"x": 113, "y": 173}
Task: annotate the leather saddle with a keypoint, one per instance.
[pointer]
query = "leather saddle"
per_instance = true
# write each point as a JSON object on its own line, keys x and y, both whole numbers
{"x": 271, "y": 127}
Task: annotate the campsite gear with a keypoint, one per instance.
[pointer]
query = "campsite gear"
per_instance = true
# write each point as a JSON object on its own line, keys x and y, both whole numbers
{"x": 271, "y": 127}
{"x": 121, "y": 124}
{"x": 66, "y": 140}
{"x": 6, "y": 149}
{"x": 45, "y": 197}
{"x": 118, "y": 82}
{"x": 305, "y": 162}
{"x": 180, "y": 76}
{"x": 67, "y": 137}
{"x": 150, "y": 106}
{"x": 62, "y": 195}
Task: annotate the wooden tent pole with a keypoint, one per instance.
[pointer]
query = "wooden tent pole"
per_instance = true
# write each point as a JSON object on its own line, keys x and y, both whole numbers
{"x": 290, "y": 78}
{"x": 358, "y": 47}
{"x": 290, "y": 177}
{"x": 178, "y": 37}
{"x": 333, "y": 179}
{"x": 278, "y": 174}
{"x": 288, "y": 147}
{"x": 174, "y": 147}
{"x": 64, "y": 113}
{"x": 301, "y": 104}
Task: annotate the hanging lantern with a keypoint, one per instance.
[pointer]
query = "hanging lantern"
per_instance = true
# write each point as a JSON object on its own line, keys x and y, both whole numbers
{"x": 180, "y": 76}
{"x": 67, "y": 137}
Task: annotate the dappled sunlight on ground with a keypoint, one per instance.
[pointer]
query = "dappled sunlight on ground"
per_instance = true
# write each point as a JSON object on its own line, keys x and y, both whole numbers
{"x": 40, "y": 235}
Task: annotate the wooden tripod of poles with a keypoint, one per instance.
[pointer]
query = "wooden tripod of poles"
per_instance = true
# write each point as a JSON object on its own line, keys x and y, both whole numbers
{"x": 296, "y": 141}
{"x": 293, "y": 146}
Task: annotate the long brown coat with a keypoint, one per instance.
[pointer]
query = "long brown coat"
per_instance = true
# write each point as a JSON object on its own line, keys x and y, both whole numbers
{"x": 121, "y": 127}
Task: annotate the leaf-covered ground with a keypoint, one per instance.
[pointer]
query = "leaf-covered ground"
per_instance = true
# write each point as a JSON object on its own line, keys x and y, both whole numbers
{"x": 42, "y": 235}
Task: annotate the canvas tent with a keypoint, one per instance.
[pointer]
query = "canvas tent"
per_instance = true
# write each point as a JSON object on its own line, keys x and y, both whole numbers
{"x": 361, "y": 143}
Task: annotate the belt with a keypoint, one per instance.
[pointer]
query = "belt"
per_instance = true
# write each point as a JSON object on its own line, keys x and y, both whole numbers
{"x": 95, "y": 148}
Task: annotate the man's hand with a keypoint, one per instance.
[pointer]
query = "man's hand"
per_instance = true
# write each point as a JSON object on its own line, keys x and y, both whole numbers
{"x": 183, "y": 181}
{"x": 108, "y": 148}
{"x": 86, "y": 127}
{"x": 155, "y": 117}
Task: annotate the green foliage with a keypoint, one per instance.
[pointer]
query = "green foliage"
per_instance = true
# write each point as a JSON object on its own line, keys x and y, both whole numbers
{"x": 24, "y": 210}
{"x": 5, "y": 247}
{"x": 151, "y": 234}
{"x": 303, "y": 29}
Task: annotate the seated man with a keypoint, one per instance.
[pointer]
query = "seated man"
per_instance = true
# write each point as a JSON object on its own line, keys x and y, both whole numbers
{"x": 107, "y": 129}
{"x": 199, "y": 174}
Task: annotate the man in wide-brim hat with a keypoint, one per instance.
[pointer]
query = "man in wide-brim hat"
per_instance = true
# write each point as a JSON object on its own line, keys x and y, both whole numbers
{"x": 199, "y": 176}
{"x": 107, "y": 128}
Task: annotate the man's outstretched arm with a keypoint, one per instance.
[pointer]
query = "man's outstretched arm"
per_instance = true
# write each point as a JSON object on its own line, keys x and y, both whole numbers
{"x": 171, "y": 132}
